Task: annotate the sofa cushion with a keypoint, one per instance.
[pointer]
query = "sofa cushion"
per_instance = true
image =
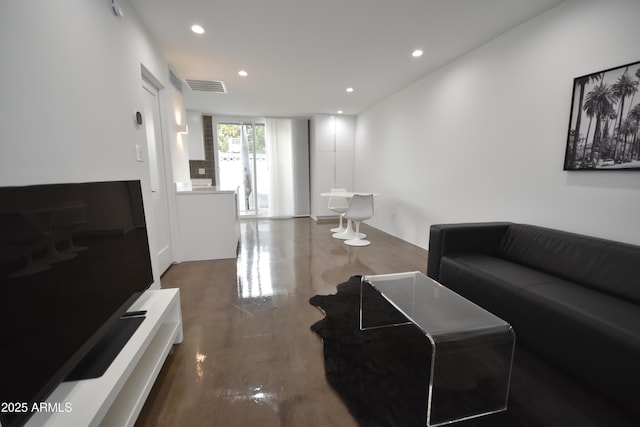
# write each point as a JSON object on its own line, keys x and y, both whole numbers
{"x": 618, "y": 318}
{"x": 504, "y": 273}
{"x": 496, "y": 283}
{"x": 597, "y": 263}
{"x": 569, "y": 324}
{"x": 594, "y": 336}
{"x": 492, "y": 283}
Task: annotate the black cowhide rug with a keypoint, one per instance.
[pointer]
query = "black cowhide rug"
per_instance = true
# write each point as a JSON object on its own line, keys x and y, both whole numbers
{"x": 381, "y": 374}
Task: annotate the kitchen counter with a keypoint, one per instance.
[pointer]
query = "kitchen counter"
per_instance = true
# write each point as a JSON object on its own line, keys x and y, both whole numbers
{"x": 203, "y": 189}
{"x": 208, "y": 225}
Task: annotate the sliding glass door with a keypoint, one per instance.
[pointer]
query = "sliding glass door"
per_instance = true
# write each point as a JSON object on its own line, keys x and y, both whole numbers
{"x": 267, "y": 162}
{"x": 242, "y": 164}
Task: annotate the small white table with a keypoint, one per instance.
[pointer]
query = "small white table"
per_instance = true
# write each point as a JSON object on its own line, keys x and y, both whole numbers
{"x": 349, "y": 232}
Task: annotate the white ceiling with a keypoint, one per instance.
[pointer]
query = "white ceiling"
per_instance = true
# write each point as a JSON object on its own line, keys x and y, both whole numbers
{"x": 301, "y": 55}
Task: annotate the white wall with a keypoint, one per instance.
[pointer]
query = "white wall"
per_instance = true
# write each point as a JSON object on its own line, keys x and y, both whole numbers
{"x": 483, "y": 138}
{"x": 70, "y": 84}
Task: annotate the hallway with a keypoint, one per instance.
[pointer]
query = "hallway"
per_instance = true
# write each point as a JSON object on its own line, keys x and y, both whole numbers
{"x": 248, "y": 357}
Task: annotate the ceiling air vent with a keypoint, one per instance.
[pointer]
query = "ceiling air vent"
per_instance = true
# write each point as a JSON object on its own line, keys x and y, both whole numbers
{"x": 207, "y": 85}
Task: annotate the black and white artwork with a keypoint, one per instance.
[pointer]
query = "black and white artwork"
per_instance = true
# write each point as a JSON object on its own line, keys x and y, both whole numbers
{"x": 604, "y": 124}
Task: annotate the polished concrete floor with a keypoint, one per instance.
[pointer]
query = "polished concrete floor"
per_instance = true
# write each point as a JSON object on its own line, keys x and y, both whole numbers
{"x": 248, "y": 357}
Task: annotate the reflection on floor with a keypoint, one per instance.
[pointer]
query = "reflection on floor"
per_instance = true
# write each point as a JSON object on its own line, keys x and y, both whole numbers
{"x": 248, "y": 357}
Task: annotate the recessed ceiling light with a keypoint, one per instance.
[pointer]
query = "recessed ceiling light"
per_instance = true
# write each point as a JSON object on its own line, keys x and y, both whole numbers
{"x": 349, "y": 89}
{"x": 340, "y": 111}
{"x": 197, "y": 29}
{"x": 243, "y": 73}
{"x": 417, "y": 53}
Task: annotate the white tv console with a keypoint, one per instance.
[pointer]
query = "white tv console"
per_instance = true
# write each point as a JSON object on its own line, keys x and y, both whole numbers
{"x": 117, "y": 397}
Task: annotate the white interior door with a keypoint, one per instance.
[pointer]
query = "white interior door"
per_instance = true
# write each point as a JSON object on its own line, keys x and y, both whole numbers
{"x": 160, "y": 228}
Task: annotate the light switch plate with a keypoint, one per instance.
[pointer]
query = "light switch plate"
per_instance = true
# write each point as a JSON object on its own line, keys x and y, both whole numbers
{"x": 139, "y": 152}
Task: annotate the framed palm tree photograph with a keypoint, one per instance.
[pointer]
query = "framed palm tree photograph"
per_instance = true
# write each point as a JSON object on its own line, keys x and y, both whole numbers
{"x": 604, "y": 124}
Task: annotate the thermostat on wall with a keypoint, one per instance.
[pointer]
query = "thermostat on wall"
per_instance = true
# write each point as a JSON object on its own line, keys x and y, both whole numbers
{"x": 138, "y": 117}
{"x": 117, "y": 10}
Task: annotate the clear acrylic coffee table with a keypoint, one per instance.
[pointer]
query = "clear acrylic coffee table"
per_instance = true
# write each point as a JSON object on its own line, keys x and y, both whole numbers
{"x": 472, "y": 349}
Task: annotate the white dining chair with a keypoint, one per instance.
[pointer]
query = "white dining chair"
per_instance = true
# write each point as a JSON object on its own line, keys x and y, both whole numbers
{"x": 338, "y": 205}
{"x": 360, "y": 208}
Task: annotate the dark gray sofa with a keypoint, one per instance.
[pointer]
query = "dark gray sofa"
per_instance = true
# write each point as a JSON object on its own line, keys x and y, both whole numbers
{"x": 572, "y": 299}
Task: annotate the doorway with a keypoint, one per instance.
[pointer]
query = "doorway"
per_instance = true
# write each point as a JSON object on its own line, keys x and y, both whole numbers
{"x": 243, "y": 164}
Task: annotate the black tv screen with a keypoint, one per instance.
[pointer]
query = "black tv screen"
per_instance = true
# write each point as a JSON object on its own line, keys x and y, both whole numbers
{"x": 71, "y": 258}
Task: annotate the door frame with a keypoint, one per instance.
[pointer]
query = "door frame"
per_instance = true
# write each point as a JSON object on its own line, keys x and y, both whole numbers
{"x": 237, "y": 120}
{"x": 168, "y": 252}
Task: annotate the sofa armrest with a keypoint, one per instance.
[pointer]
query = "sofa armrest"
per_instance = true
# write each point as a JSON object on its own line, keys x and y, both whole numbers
{"x": 445, "y": 239}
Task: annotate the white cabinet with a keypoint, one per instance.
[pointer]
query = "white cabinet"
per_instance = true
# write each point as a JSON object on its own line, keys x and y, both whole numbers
{"x": 116, "y": 398}
{"x": 208, "y": 225}
{"x": 345, "y": 133}
{"x": 332, "y": 158}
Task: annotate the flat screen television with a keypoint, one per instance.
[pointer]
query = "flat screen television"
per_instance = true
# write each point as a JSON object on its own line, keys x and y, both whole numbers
{"x": 73, "y": 258}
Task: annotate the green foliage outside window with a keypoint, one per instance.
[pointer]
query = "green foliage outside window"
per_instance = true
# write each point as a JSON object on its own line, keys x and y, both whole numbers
{"x": 231, "y": 132}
